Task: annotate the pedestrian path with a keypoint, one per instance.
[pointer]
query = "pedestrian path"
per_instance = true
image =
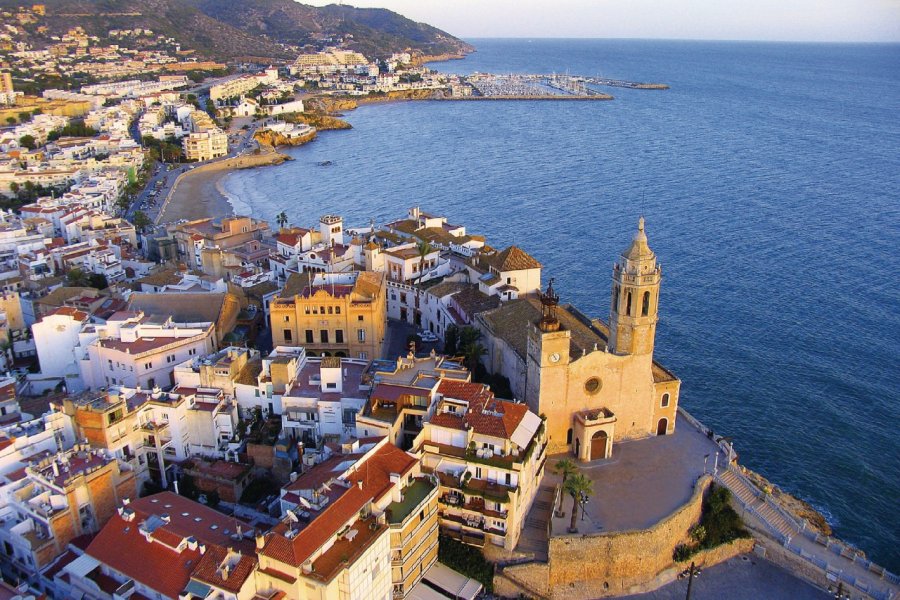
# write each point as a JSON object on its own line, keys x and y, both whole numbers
{"x": 838, "y": 561}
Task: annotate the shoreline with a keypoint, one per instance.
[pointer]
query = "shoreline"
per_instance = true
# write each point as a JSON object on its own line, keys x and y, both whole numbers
{"x": 199, "y": 194}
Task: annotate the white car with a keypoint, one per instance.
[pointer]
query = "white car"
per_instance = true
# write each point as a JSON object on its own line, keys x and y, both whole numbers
{"x": 427, "y": 336}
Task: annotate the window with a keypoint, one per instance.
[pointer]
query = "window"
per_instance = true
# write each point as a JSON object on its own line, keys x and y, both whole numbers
{"x": 339, "y": 336}
{"x": 615, "y": 300}
{"x": 337, "y": 310}
{"x": 665, "y": 400}
{"x": 569, "y": 436}
{"x": 359, "y": 318}
{"x": 403, "y": 298}
{"x": 331, "y": 386}
{"x": 323, "y": 336}
{"x": 148, "y": 365}
{"x": 361, "y": 335}
{"x": 477, "y": 472}
{"x": 288, "y": 336}
{"x": 593, "y": 385}
{"x": 628, "y": 303}
{"x": 330, "y": 310}
{"x": 192, "y": 352}
{"x": 287, "y": 319}
{"x": 364, "y": 355}
{"x": 306, "y": 309}
{"x": 309, "y": 336}
{"x": 509, "y": 479}
{"x": 645, "y": 306}
{"x": 321, "y": 310}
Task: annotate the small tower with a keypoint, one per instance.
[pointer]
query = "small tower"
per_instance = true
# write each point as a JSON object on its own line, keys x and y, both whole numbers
{"x": 331, "y": 228}
{"x": 547, "y": 356}
{"x": 635, "y": 298}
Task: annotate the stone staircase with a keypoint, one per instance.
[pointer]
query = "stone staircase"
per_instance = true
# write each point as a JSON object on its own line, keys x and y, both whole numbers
{"x": 533, "y": 540}
{"x": 747, "y": 496}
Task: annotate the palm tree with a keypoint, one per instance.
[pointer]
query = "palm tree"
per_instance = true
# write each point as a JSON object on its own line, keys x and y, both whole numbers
{"x": 424, "y": 249}
{"x": 566, "y": 468}
{"x": 282, "y": 219}
{"x": 580, "y": 487}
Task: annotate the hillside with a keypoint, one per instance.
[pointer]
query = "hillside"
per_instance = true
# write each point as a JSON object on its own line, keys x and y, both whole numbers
{"x": 374, "y": 31}
{"x": 249, "y": 29}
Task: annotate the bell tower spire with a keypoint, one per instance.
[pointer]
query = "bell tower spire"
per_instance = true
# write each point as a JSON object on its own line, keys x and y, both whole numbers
{"x": 635, "y": 298}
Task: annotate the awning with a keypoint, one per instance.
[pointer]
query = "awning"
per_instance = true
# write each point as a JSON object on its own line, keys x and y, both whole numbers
{"x": 454, "y": 585}
{"x": 421, "y": 591}
{"x": 81, "y": 566}
{"x": 197, "y": 589}
{"x": 529, "y": 424}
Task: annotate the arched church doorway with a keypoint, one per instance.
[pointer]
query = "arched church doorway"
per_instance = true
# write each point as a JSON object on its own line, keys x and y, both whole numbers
{"x": 662, "y": 426}
{"x": 598, "y": 445}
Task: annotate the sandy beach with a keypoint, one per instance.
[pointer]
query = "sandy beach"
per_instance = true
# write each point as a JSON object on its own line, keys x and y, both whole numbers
{"x": 198, "y": 194}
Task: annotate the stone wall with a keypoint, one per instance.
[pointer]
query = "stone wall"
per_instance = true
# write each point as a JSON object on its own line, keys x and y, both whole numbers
{"x": 589, "y": 566}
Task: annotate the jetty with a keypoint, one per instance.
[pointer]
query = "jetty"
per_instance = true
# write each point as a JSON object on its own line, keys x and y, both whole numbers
{"x": 488, "y": 86}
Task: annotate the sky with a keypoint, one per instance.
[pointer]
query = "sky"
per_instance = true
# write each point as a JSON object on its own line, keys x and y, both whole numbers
{"x": 770, "y": 20}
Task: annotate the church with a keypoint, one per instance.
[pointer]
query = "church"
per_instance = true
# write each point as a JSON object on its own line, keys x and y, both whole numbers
{"x": 595, "y": 383}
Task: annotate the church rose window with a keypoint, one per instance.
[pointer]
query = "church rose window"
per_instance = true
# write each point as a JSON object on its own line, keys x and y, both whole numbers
{"x": 592, "y": 385}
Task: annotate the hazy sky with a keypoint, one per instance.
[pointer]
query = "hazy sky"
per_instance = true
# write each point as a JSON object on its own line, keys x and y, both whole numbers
{"x": 799, "y": 20}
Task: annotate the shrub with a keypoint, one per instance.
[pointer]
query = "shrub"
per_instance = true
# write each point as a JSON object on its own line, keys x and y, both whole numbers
{"x": 467, "y": 560}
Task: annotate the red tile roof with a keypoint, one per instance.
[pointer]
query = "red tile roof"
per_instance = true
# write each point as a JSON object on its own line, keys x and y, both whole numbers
{"x": 486, "y": 414}
{"x": 210, "y": 571}
{"x": 157, "y": 564}
{"x": 375, "y": 475}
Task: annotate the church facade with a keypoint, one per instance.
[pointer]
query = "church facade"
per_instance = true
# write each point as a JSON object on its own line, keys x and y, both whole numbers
{"x": 596, "y": 384}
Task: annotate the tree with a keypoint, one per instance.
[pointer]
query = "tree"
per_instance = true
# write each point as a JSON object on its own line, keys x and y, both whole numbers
{"x": 14, "y": 187}
{"x": 77, "y": 278}
{"x": 473, "y": 353}
{"x": 580, "y": 487}
{"x": 140, "y": 220}
{"x": 27, "y": 141}
{"x": 282, "y": 219}
{"x": 451, "y": 340}
{"x": 424, "y": 248}
{"x": 98, "y": 280}
{"x": 565, "y": 468}
{"x": 24, "y": 116}
{"x": 11, "y": 120}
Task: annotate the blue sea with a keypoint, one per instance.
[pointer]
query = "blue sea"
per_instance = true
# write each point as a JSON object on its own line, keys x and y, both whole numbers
{"x": 769, "y": 175}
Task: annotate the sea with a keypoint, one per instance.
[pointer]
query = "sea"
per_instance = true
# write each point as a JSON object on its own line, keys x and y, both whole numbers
{"x": 769, "y": 177}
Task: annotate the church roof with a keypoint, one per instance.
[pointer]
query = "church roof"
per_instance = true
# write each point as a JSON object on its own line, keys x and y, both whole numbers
{"x": 510, "y": 323}
{"x": 511, "y": 259}
{"x": 639, "y": 249}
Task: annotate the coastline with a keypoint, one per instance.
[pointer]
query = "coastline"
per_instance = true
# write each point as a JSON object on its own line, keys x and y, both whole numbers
{"x": 199, "y": 193}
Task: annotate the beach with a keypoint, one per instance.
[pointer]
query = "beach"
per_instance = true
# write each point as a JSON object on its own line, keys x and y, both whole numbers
{"x": 198, "y": 193}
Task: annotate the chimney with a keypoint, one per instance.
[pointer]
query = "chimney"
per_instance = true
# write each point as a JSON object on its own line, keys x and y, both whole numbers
{"x": 260, "y": 541}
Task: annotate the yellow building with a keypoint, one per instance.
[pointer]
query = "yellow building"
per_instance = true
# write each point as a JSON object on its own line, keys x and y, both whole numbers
{"x": 362, "y": 524}
{"x": 331, "y": 314}
{"x": 596, "y": 384}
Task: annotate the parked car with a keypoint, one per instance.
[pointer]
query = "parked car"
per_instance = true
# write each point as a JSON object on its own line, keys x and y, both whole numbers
{"x": 427, "y": 336}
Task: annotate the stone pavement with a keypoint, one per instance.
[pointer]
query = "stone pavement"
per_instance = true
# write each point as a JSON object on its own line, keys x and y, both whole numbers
{"x": 644, "y": 481}
{"x": 746, "y": 577}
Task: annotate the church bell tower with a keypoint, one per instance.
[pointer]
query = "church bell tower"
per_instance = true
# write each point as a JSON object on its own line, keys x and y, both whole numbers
{"x": 635, "y": 298}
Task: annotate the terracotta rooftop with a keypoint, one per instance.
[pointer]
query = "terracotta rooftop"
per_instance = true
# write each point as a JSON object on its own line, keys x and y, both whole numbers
{"x": 370, "y": 481}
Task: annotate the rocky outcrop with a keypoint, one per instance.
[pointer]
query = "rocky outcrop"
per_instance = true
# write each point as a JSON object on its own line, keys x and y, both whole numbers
{"x": 272, "y": 138}
{"x": 793, "y": 505}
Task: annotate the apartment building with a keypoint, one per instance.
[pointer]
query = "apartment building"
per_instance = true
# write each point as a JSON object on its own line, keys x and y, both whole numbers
{"x": 205, "y": 145}
{"x": 167, "y": 547}
{"x": 403, "y": 396}
{"x": 489, "y": 457}
{"x": 55, "y": 498}
{"x": 361, "y": 524}
{"x": 241, "y": 84}
{"x": 193, "y": 236}
{"x": 135, "y": 349}
{"x": 331, "y": 314}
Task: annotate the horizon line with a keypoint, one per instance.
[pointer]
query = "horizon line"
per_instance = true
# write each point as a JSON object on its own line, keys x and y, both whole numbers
{"x": 663, "y": 39}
